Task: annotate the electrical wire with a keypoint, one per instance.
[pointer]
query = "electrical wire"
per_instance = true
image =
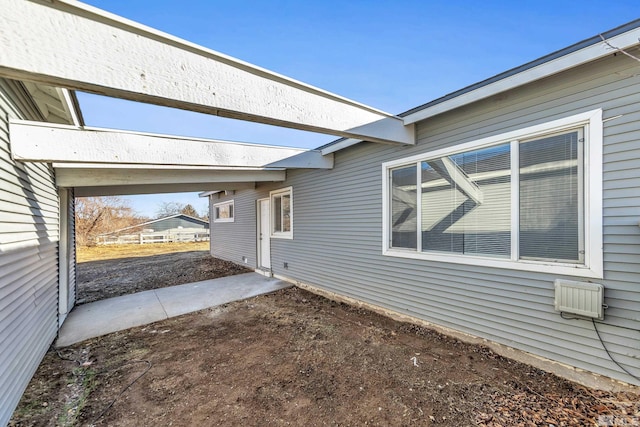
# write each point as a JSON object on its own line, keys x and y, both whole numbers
{"x": 618, "y": 49}
{"x": 609, "y": 354}
{"x": 618, "y": 326}
{"x": 595, "y": 327}
{"x": 149, "y": 365}
{"x": 564, "y": 316}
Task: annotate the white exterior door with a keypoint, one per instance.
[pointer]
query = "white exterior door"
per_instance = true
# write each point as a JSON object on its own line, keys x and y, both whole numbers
{"x": 264, "y": 233}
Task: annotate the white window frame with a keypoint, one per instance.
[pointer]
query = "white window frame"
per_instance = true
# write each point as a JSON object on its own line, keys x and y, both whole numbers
{"x": 591, "y": 121}
{"x": 272, "y": 205}
{"x": 219, "y": 205}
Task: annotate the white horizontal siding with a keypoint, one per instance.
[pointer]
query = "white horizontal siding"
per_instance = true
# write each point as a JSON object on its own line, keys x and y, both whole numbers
{"x": 232, "y": 241}
{"x": 28, "y": 262}
{"x": 71, "y": 256}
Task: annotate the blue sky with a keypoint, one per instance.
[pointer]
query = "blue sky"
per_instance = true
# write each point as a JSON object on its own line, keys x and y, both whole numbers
{"x": 392, "y": 55}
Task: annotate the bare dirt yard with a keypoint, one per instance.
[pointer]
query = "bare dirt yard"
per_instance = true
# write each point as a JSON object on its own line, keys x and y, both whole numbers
{"x": 295, "y": 358}
{"x": 113, "y": 270}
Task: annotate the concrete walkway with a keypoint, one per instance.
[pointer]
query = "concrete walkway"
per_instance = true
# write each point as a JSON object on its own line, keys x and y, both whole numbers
{"x": 115, "y": 314}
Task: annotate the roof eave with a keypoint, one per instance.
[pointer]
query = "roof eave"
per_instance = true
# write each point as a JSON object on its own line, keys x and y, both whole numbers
{"x": 589, "y": 50}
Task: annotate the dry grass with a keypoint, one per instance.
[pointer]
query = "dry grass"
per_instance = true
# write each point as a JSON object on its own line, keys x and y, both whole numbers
{"x": 103, "y": 252}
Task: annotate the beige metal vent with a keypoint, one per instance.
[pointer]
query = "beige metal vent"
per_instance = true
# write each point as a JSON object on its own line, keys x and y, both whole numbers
{"x": 581, "y": 298}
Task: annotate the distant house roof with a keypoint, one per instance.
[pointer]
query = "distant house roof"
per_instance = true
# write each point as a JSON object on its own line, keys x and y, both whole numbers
{"x": 187, "y": 217}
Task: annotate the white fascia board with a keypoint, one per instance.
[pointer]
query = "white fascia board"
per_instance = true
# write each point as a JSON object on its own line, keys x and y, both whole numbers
{"x": 69, "y": 44}
{"x": 37, "y": 142}
{"x": 91, "y": 177}
{"x": 156, "y": 167}
{"x": 555, "y": 66}
{"x": 209, "y": 193}
{"x": 69, "y": 106}
{"x": 124, "y": 190}
{"x": 341, "y": 145}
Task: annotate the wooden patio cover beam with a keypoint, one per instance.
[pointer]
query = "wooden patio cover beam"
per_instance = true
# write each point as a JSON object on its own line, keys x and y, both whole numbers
{"x": 69, "y": 44}
{"x": 39, "y": 142}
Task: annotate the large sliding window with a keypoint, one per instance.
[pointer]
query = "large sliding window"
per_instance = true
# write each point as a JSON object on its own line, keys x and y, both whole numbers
{"x": 518, "y": 200}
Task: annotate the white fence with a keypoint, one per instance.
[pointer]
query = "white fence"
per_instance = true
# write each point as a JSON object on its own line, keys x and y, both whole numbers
{"x": 173, "y": 235}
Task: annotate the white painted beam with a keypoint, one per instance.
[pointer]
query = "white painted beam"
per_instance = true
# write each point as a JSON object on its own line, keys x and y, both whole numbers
{"x": 70, "y": 44}
{"x": 92, "y": 177}
{"x": 124, "y": 190}
{"x": 37, "y": 142}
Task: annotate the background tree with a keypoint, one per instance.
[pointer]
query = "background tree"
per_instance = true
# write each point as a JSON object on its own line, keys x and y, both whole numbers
{"x": 189, "y": 210}
{"x": 174, "y": 208}
{"x": 168, "y": 209}
{"x": 98, "y": 215}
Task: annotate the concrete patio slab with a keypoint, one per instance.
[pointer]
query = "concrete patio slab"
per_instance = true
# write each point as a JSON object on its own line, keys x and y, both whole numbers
{"x": 115, "y": 314}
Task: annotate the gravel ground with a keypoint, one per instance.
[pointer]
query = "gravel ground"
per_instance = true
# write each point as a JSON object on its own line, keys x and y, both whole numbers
{"x": 294, "y": 358}
{"x": 114, "y": 277}
{"x": 287, "y": 358}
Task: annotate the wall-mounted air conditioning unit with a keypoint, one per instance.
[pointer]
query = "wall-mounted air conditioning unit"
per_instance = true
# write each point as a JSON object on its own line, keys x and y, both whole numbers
{"x": 581, "y": 298}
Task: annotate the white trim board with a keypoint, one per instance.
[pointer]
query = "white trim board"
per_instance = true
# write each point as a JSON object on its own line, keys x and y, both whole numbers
{"x": 123, "y": 190}
{"x": 89, "y": 177}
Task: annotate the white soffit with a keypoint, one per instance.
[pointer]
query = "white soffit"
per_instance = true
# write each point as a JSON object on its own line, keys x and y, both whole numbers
{"x": 103, "y": 177}
{"x": 124, "y": 190}
{"x": 70, "y": 44}
{"x": 55, "y": 104}
{"x": 546, "y": 69}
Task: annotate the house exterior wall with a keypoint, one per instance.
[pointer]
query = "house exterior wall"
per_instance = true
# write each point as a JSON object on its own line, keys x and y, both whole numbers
{"x": 233, "y": 241}
{"x": 171, "y": 223}
{"x": 71, "y": 254}
{"x": 337, "y": 244}
{"x": 29, "y": 224}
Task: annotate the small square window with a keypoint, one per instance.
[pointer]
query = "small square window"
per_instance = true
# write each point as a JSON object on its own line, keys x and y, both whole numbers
{"x": 223, "y": 212}
{"x": 282, "y": 213}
